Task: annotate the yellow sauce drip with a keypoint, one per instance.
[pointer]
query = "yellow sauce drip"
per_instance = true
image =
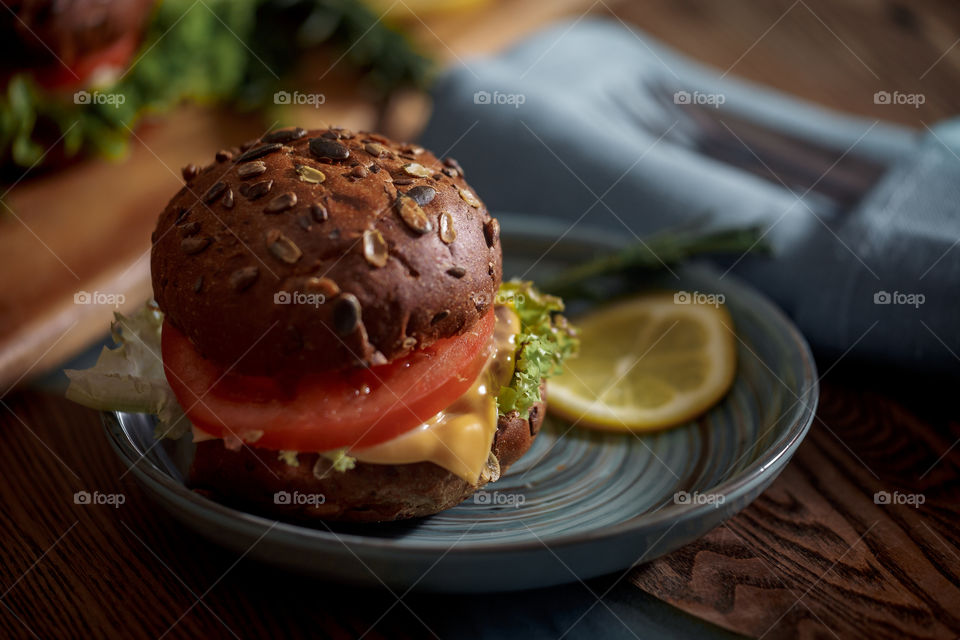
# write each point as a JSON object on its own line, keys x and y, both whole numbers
{"x": 459, "y": 438}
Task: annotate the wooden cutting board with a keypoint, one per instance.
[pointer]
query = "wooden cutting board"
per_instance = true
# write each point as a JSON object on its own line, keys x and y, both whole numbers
{"x": 75, "y": 243}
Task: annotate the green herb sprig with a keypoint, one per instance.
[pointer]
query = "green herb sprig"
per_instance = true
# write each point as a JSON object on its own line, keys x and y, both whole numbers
{"x": 653, "y": 254}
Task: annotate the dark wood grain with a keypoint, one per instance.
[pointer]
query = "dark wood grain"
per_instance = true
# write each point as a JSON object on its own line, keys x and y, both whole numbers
{"x": 96, "y": 571}
{"x": 836, "y": 53}
{"x": 815, "y": 555}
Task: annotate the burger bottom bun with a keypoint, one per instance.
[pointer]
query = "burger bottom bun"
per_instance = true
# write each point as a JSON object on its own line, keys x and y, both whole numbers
{"x": 251, "y": 478}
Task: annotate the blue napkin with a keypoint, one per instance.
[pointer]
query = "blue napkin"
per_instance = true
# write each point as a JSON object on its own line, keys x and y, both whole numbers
{"x": 598, "y": 125}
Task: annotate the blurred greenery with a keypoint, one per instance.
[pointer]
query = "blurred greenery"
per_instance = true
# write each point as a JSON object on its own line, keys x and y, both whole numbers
{"x": 217, "y": 51}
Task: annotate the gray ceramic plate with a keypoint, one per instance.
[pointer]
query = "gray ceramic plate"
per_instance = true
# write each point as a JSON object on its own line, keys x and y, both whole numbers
{"x": 579, "y": 504}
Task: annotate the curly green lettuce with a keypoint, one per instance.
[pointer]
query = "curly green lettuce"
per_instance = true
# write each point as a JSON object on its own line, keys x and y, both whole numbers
{"x": 130, "y": 376}
{"x": 544, "y": 342}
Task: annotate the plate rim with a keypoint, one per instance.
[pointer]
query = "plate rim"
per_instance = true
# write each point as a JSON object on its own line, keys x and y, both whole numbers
{"x": 774, "y": 456}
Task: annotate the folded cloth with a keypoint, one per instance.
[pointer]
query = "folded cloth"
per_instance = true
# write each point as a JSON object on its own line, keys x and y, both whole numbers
{"x": 598, "y": 125}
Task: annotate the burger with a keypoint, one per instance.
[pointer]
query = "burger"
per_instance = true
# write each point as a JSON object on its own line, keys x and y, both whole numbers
{"x": 66, "y": 43}
{"x": 77, "y": 76}
{"x": 57, "y": 59}
{"x": 334, "y": 332}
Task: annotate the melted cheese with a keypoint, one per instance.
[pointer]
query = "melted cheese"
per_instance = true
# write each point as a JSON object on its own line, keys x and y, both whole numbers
{"x": 459, "y": 438}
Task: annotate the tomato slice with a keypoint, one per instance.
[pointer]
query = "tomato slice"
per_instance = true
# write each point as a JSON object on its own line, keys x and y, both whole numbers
{"x": 325, "y": 411}
{"x": 115, "y": 56}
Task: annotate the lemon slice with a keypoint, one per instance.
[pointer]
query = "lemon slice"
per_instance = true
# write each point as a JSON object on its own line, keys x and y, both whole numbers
{"x": 651, "y": 362}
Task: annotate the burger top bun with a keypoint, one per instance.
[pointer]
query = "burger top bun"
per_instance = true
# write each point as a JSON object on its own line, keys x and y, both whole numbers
{"x": 322, "y": 250}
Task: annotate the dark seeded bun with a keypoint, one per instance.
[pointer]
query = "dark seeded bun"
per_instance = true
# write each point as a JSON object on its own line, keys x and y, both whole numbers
{"x": 399, "y": 259}
{"x": 249, "y": 478}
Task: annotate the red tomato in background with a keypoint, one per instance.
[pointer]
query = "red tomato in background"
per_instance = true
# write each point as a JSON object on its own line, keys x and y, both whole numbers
{"x": 116, "y": 56}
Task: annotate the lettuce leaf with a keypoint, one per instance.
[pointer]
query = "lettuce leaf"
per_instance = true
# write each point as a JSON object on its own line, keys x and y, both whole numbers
{"x": 340, "y": 460}
{"x": 130, "y": 376}
{"x": 544, "y": 342}
{"x": 289, "y": 457}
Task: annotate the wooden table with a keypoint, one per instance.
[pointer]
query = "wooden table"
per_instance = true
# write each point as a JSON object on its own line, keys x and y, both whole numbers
{"x": 815, "y": 556}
